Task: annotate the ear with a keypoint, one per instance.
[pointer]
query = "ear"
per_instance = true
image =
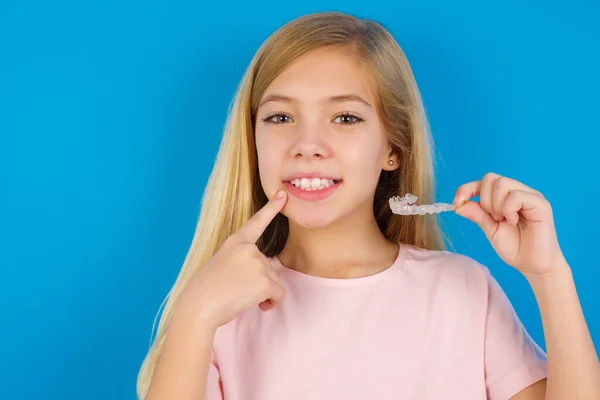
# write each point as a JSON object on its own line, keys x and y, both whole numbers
{"x": 388, "y": 165}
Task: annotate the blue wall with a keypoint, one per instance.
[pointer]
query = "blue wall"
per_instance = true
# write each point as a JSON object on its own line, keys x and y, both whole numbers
{"x": 110, "y": 118}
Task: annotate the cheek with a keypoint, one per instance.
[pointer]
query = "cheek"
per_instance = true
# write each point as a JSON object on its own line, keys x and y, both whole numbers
{"x": 270, "y": 158}
{"x": 362, "y": 162}
{"x": 362, "y": 168}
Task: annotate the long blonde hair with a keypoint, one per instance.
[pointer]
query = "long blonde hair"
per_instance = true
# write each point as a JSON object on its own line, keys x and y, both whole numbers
{"x": 234, "y": 193}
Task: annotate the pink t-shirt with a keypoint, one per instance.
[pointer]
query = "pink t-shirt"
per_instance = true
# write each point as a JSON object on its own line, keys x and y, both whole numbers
{"x": 434, "y": 325}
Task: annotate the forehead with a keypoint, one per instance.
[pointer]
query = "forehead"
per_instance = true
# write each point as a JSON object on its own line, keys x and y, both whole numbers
{"x": 323, "y": 73}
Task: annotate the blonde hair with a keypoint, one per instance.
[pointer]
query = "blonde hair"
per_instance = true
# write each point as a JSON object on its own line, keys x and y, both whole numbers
{"x": 234, "y": 193}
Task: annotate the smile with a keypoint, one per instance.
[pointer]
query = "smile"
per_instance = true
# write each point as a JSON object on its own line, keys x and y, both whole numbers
{"x": 311, "y": 184}
{"x": 313, "y": 189}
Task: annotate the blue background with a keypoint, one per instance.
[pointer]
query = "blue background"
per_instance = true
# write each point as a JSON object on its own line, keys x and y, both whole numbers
{"x": 110, "y": 119}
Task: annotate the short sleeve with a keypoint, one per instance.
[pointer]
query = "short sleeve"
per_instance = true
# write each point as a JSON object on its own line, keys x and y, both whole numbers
{"x": 214, "y": 388}
{"x": 513, "y": 361}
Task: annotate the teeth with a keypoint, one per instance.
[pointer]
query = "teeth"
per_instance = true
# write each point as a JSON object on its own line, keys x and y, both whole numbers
{"x": 312, "y": 184}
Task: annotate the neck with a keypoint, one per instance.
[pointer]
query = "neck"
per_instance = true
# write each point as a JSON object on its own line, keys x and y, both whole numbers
{"x": 351, "y": 247}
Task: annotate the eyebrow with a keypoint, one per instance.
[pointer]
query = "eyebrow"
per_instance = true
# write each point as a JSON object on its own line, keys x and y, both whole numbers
{"x": 334, "y": 99}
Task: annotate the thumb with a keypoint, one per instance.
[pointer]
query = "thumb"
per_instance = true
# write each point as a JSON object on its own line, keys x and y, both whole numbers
{"x": 472, "y": 211}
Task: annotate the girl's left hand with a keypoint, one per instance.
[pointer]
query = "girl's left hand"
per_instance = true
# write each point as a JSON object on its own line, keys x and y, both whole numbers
{"x": 516, "y": 219}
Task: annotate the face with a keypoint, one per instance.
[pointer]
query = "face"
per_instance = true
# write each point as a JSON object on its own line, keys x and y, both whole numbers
{"x": 318, "y": 135}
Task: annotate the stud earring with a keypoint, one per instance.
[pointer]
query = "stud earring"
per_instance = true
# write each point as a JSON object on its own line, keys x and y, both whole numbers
{"x": 391, "y": 162}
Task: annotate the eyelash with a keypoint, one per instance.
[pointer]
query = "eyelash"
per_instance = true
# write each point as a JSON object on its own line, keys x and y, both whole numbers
{"x": 268, "y": 118}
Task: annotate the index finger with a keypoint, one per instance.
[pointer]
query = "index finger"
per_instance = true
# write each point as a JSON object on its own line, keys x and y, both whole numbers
{"x": 256, "y": 225}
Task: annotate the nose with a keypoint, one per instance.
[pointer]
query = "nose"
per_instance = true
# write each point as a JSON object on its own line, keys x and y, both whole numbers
{"x": 310, "y": 142}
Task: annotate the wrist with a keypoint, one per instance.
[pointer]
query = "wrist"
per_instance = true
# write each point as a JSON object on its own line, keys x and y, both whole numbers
{"x": 557, "y": 277}
{"x": 558, "y": 270}
{"x": 198, "y": 321}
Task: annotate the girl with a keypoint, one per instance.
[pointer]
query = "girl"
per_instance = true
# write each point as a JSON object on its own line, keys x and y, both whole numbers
{"x": 300, "y": 283}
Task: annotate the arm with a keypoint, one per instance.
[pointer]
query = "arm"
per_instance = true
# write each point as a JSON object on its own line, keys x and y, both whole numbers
{"x": 518, "y": 221}
{"x": 573, "y": 368}
{"x": 182, "y": 370}
{"x": 234, "y": 279}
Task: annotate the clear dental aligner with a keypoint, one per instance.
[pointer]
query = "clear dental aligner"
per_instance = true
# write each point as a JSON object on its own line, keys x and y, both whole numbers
{"x": 404, "y": 206}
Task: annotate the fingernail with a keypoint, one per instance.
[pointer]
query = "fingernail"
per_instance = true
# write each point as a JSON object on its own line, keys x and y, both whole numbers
{"x": 280, "y": 194}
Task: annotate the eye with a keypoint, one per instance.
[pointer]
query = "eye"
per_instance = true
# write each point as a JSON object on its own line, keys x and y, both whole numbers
{"x": 348, "y": 119}
{"x": 278, "y": 118}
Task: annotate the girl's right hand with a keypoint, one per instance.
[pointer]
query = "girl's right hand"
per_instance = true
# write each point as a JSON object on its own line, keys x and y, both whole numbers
{"x": 237, "y": 277}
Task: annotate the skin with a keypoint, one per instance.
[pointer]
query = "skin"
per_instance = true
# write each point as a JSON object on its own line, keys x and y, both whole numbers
{"x": 313, "y": 136}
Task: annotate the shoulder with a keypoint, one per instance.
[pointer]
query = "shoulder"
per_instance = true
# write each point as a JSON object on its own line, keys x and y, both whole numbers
{"x": 443, "y": 267}
{"x": 438, "y": 261}
{"x": 450, "y": 287}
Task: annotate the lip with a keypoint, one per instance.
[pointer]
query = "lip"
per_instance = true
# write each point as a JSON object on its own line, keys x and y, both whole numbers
{"x": 311, "y": 195}
{"x": 309, "y": 175}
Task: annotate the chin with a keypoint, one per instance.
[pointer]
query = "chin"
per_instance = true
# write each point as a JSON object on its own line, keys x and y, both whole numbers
{"x": 310, "y": 220}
